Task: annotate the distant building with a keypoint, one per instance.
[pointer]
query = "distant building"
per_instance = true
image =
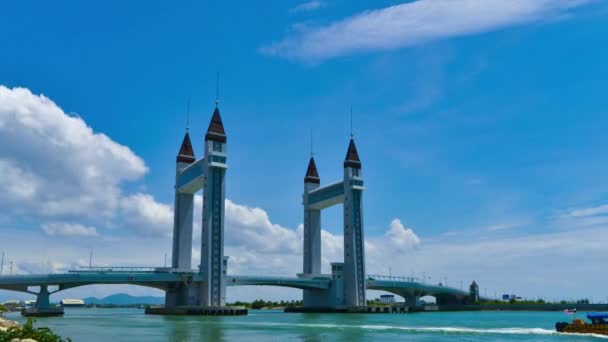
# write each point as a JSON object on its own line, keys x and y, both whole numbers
{"x": 387, "y": 299}
{"x": 28, "y": 303}
{"x": 72, "y": 303}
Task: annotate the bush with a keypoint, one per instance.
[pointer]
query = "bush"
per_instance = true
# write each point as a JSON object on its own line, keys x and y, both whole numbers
{"x": 28, "y": 331}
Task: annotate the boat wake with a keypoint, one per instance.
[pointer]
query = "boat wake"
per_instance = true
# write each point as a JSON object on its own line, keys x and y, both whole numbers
{"x": 440, "y": 330}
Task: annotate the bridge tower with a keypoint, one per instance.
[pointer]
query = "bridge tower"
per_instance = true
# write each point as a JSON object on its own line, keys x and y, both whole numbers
{"x": 213, "y": 263}
{"x": 474, "y": 292}
{"x": 182, "y": 220}
{"x": 312, "y": 237}
{"x": 312, "y": 223}
{"x": 354, "y": 247}
{"x": 182, "y": 226}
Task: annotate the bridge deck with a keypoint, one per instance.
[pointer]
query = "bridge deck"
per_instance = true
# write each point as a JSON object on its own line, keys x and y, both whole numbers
{"x": 161, "y": 280}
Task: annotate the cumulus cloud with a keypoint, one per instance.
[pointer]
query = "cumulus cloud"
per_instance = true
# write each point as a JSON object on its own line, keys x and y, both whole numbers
{"x": 308, "y": 6}
{"x": 54, "y": 165}
{"x": 413, "y": 23}
{"x": 251, "y": 227}
{"x": 68, "y": 229}
{"x": 144, "y": 214}
{"x": 401, "y": 237}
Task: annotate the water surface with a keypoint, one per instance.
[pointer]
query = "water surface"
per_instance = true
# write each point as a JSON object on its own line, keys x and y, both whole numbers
{"x": 97, "y": 325}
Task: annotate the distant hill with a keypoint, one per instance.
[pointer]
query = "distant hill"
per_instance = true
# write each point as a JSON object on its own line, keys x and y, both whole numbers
{"x": 124, "y": 299}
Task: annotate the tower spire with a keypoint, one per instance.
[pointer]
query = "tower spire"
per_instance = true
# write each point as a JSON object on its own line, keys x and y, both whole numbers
{"x": 312, "y": 176}
{"x": 186, "y": 152}
{"x": 352, "y": 157}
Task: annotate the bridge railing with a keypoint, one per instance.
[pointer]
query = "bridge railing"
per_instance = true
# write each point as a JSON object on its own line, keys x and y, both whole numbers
{"x": 120, "y": 269}
{"x": 392, "y": 278}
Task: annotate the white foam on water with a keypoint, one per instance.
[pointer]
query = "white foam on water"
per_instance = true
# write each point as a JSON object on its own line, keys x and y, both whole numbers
{"x": 448, "y": 330}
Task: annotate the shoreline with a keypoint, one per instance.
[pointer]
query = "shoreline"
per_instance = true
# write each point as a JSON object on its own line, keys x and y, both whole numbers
{"x": 5, "y": 324}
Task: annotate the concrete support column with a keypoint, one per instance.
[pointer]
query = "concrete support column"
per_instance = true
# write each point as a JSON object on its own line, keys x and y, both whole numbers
{"x": 43, "y": 298}
{"x": 411, "y": 301}
{"x": 182, "y": 231}
{"x": 312, "y": 241}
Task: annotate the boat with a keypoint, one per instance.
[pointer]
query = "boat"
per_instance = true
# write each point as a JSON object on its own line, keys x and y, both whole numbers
{"x": 598, "y": 325}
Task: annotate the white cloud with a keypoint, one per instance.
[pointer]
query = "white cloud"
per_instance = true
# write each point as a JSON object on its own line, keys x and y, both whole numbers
{"x": 251, "y": 227}
{"x": 54, "y": 165}
{"x": 68, "y": 229}
{"x": 413, "y": 23}
{"x": 308, "y": 6}
{"x": 401, "y": 237}
{"x": 144, "y": 214}
{"x": 586, "y": 212}
{"x": 38, "y": 267}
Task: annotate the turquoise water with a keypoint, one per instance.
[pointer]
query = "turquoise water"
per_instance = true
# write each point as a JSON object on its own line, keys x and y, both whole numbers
{"x": 92, "y": 325}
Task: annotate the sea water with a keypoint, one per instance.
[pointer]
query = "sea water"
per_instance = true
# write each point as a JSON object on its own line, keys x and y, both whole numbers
{"x": 96, "y": 324}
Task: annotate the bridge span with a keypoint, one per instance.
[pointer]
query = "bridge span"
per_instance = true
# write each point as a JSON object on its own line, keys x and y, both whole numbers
{"x": 45, "y": 285}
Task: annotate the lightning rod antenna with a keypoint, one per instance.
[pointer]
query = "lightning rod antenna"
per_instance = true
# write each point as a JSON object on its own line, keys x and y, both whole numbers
{"x": 217, "y": 89}
{"x": 188, "y": 115}
{"x": 351, "y": 122}
{"x": 311, "y": 145}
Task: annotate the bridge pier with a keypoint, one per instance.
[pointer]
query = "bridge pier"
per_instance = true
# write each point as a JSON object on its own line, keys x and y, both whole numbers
{"x": 43, "y": 306}
{"x": 176, "y": 295}
{"x": 43, "y": 298}
{"x": 411, "y": 301}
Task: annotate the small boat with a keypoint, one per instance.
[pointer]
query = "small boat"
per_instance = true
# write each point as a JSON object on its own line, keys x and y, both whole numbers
{"x": 598, "y": 325}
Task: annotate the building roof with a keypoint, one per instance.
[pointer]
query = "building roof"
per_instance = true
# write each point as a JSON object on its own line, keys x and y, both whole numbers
{"x": 312, "y": 176}
{"x": 216, "y": 131}
{"x": 473, "y": 283}
{"x": 186, "y": 153}
{"x": 352, "y": 157}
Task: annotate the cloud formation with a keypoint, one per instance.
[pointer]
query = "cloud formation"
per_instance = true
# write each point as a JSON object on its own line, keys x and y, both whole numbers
{"x": 143, "y": 214}
{"x": 68, "y": 229}
{"x": 412, "y": 23}
{"x": 402, "y": 238}
{"x": 54, "y": 165}
{"x": 308, "y": 6}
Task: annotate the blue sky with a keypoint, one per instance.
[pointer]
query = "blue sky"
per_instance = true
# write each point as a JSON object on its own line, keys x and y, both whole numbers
{"x": 479, "y": 124}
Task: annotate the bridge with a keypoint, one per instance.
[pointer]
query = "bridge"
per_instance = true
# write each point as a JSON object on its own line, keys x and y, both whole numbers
{"x": 206, "y": 286}
{"x": 163, "y": 278}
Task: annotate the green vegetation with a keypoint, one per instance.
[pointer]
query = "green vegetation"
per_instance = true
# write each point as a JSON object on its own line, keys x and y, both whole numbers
{"x": 28, "y": 331}
{"x": 2, "y": 308}
{"x": 260, "y": 304}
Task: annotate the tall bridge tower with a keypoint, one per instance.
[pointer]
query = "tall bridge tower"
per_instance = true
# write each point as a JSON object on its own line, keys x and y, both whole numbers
{"x": 354, "y": 247}
{"x": 312, "y": 223}
{"x": 192, "y": 175}
{"x": 213, "y": 263}
{"x": 177, "y": 294}
{"x": 348, "y": 278}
